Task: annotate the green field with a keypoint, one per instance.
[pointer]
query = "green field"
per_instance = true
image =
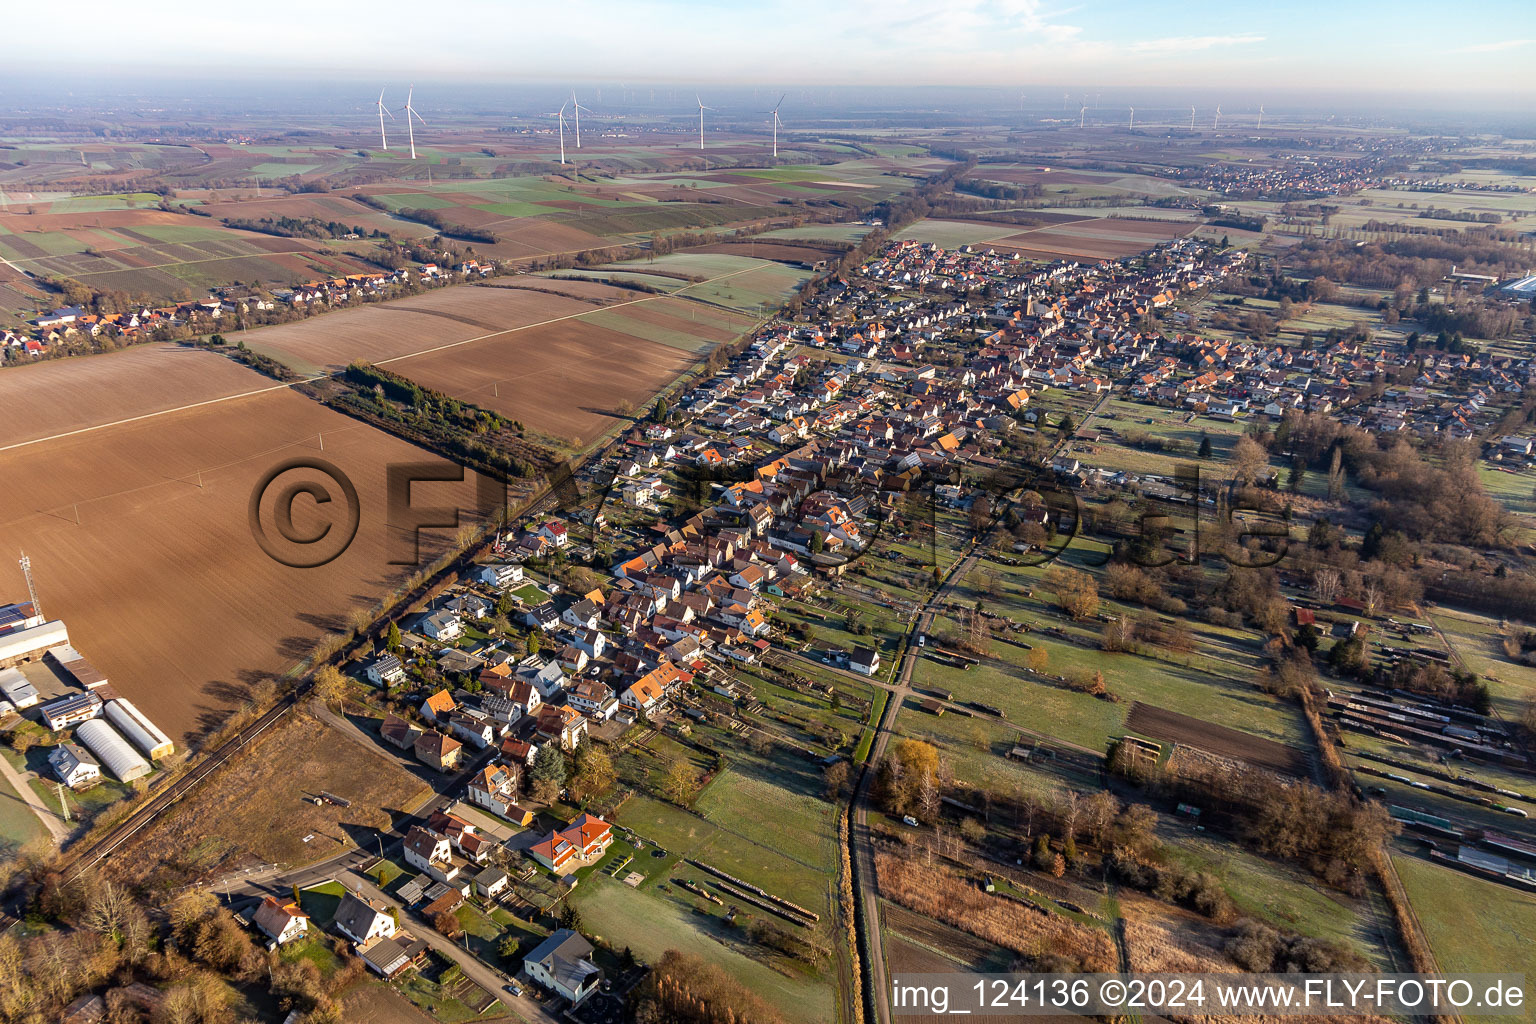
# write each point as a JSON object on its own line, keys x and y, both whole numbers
{"x": 953, "y": 233}
{"x": 18, "y": 823}
{"x": 625, "y": 917}
{"x": 821, "y": 232}
{"x": 760, "y": 821}
{"x": 1472, "y": 925}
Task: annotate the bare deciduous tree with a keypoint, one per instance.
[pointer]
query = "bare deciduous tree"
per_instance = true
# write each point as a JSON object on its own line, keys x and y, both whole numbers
{"x": 1325, "y": 584}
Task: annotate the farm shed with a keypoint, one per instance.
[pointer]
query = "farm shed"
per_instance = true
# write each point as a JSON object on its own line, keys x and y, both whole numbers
{"x": 25, "y": 644}
{"x": 17, "y": 688}
{"x": 141, "y": 732}
{"x": 112, "y": 750}
{"x": 74, "y": 665}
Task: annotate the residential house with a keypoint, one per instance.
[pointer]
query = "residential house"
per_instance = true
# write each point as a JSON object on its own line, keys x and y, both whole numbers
{"x": 475, "y": 727}
{"x": 74, "y": 766}
{"x": 431, "y": 853}
{"x": 581, "y": 842}
{"x": 71, "y": 710}
{"x": 542, "y": 616}
{"x": 583, "y": 614}
{"x": 864, "y": 660}
{"x": 501, "y": 575}
{"x": 361, "y": 920}
{"x": 439, "y": 706}
{"x": 562, "y": 725}
{"x": 443, "y": 626}
{"x": 385, "y": 670}
{"x": 593, "y": 699}
{"x": 397, "y": 732}
{"x": 494, "y": 787}
{"x": 281, "y": 920}
{"x": 563, "y": 964}
{"x": 441, "y": 752}
{"x": 491, "y": 882}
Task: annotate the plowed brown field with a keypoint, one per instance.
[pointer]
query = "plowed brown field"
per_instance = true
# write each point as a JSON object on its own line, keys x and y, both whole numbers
{"x": 62, "y": 395}
{"x": 383, "y": 331}
{"x": 566, "y": 378}
{"x": 161, "y": 582}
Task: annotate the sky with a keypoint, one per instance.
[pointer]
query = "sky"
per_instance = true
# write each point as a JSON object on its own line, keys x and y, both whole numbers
{"x": 1408, "y": 46}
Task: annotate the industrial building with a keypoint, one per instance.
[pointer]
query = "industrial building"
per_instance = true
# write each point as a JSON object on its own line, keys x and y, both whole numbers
{"x": 141, "y": 732}
{"x": 112, "y": 750}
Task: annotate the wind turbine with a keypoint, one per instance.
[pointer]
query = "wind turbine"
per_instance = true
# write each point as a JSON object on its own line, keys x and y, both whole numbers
{"x": 1133, "y": 119}
{"x": 1217, "y": 122}
{"x": 578, "y": 108}
{"x": 561, "y": 116}
{"x": 1191, "y": 118}
{"x": 702, "y": 108}
{"x": 776, "y": 124}
{"x": 410, "y": 112}
{"x": 1261, "y": 117}
{"x": 1082, "y": 116}
{"x": 383, "y": 141}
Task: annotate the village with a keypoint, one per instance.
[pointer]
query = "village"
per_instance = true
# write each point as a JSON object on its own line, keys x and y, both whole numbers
{"x": 772, "y": 529}
{"x": 757, "y": 491}
{"x": 52, "y": 332}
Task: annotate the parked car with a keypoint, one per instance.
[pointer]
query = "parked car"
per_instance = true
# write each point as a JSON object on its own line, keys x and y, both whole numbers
{"x": 515, "y": 989}
{"x": 909, "y": 820}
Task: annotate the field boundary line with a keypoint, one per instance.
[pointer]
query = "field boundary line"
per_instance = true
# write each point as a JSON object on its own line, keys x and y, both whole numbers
{"x": 555, "y": 320}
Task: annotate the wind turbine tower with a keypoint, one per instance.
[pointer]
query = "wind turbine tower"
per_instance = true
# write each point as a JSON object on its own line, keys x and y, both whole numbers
{"x": 776, "y": 124}
{"x": 1133, "y": 119}
{"x": 561, "y": 116}
{"x": 383, "y": 140}
{"x": 578, "y": 108}
{"x": 1191, "y": 118}
{"x": 1216, "y": 122}
{"x": 702, "y": 108}
{"x": 410, "y": 112}
{"x": 1261, "y": 117}
{"x": 1082, "y": 116}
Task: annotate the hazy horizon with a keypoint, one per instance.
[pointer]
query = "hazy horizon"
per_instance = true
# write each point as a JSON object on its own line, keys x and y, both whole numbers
{"x": 1376, "y": 51}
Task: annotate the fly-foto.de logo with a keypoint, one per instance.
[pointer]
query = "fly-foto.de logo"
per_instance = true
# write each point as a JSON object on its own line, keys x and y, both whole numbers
{"x": 305, "y": 512}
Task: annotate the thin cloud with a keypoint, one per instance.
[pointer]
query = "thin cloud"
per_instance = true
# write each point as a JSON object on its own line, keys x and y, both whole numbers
{"x": 1503, "y": 44}
{"x": 1187, "y": 44}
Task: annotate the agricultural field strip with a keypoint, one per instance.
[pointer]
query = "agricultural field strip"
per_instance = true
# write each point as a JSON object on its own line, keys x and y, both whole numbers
{"x": 179, "y": 263}
{"x": 545, "y": 323}
{"x": 321, "y": 376}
